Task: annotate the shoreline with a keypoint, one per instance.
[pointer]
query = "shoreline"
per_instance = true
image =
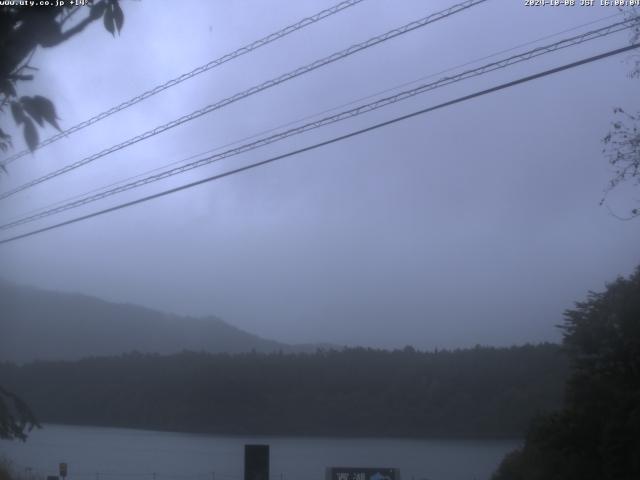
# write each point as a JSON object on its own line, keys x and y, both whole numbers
{"x": 341, "y": 436}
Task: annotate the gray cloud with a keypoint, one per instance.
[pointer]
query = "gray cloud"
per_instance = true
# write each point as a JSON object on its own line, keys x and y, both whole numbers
{"x": 475, "y": 224}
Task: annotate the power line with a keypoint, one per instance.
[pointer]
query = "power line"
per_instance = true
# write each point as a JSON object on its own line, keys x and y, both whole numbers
{"x": 305, "y": 22}
{"x": 307, "y": 117}
{"x": 256, "y": 89}
{"x": 490, "y": 67}
{"x": 335, "y": 118}
{"x": 330, "y": 141}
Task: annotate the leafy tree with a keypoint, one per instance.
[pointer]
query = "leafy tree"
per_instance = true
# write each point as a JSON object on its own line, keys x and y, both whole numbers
{"x": 22, "y": 30}
{"x": 597, "y": 434}
{"x": 15, "y": 416}
{"x": 622, "y": 143}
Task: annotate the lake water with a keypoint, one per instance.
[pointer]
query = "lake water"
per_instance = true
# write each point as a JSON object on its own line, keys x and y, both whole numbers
{"x": 94, "y": 453}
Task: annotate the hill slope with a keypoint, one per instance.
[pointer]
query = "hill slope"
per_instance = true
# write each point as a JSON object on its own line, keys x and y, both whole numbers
{"x": 44, "y": 325}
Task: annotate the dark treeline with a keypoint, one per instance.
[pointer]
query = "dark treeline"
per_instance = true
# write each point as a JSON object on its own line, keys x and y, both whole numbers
{"x": 596, "y": 433}
{"x": 474, "y": 392}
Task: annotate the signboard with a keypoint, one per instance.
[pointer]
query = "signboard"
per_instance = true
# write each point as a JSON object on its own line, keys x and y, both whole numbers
{"x": 352, "y": 473}
{"x": 256, "y": 462}
{"x": 62, "y": 469}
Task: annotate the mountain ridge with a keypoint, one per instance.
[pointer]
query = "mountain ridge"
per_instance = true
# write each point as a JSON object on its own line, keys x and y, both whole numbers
{"x": 39, "y": 324}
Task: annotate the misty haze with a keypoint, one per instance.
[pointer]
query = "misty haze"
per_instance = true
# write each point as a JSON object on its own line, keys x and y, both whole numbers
{"x": 363, "y": 240}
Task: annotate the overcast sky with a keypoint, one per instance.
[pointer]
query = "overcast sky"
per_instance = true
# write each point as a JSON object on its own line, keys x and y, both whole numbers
{"x": 478, "y": 223}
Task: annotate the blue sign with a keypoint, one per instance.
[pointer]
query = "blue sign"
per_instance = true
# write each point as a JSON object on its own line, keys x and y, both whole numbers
{"x": 351, "y": 473}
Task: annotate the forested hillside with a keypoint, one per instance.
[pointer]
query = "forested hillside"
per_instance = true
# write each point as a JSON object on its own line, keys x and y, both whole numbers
{"x": 480, "y": 391}
{"x": 44, "y": 325}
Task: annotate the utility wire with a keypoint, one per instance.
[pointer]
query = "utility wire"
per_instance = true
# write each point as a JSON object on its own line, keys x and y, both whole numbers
{"x": 253, "y": 90}
{"x": 196, "y": 71}
{"x": 307, "y": 117}
{"x": 500, "y": 64}
{"x": 330, "y": 141}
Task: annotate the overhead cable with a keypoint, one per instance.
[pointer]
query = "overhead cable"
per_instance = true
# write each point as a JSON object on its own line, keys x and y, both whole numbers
{"x": 327, "y": 142}
{"x": 253, "y": 90}
{"x": 353, "y": 112}
{"x": 196, "y": 71}
{"x": 308, "y": 117}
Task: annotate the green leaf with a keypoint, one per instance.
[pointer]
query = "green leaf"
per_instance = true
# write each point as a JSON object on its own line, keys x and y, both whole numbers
{"x": 8, "y": 89}
{"x": 47, "y": 110}
{"x": 17, "y": 112}
{"x": 97, "y": 10}
{"x": 31, "y": 107}
{"x": 41, "y": 109}
{"x": 108, "y": 21}
{"x": 118, "y": 15}
{"x": 30, "y": 134}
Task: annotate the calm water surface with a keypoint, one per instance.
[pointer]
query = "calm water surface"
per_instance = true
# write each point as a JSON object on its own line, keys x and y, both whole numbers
{"x": 95, "y": 453}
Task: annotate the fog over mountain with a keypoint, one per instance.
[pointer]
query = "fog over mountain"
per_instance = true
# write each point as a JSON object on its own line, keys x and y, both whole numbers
{"x": 477, "y": 223}
{"x": 77, "y": 326}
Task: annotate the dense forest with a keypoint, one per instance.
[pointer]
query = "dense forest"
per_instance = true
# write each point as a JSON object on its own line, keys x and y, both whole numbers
{"x": 474, "y": 392}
